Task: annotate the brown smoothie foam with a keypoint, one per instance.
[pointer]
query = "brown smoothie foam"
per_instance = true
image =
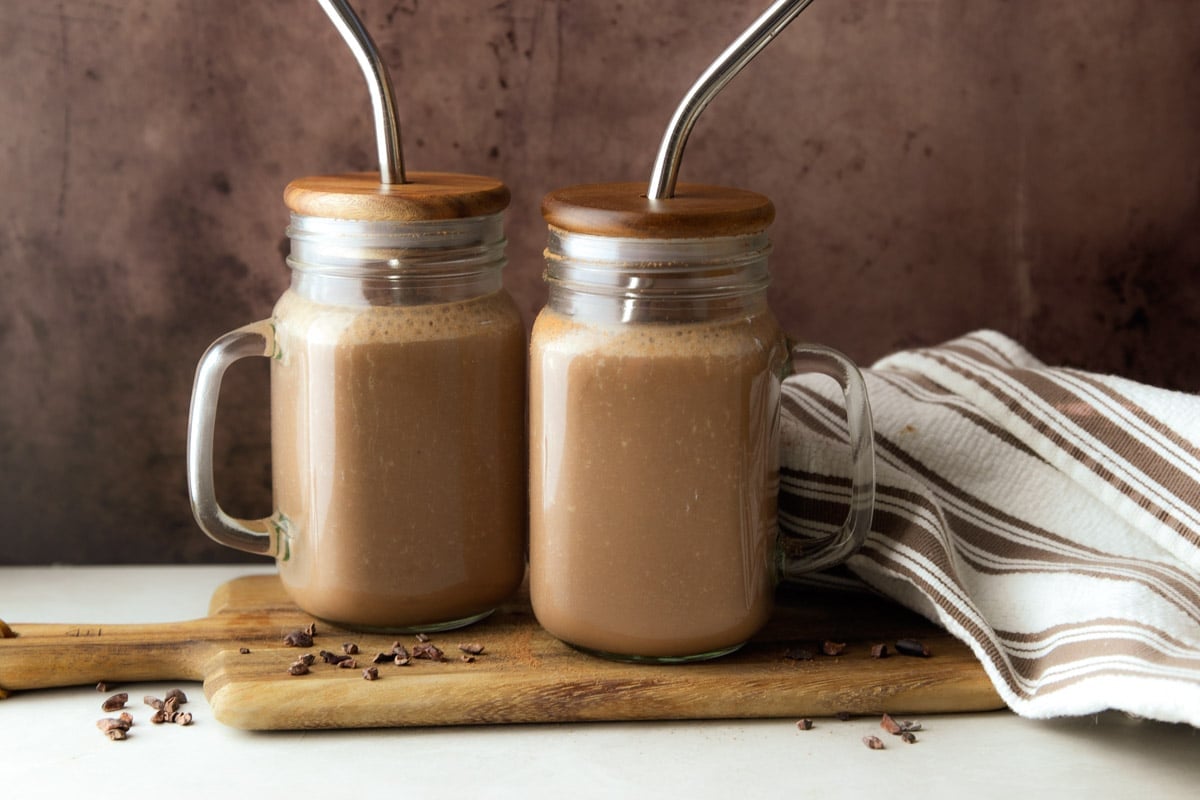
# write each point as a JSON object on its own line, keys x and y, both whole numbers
{"x": 654, "y": 467}
{"x": 399, "y": 458}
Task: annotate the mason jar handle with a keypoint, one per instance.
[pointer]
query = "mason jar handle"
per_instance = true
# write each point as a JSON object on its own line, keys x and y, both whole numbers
{"x": 259, "y": 536}
{"x": 799, "y": 556}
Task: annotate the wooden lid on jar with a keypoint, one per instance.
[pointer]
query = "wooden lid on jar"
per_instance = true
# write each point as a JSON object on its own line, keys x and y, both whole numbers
{"x": 623, "y": 210}
{"x": 426, "y": 196}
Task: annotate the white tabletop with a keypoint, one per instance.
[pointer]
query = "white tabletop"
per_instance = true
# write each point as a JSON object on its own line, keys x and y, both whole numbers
{"x": 49, "y": 744}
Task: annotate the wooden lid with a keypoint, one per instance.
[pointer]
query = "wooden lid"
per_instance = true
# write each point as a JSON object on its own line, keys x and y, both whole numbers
{"x": 622, "y": 209}
{"x": 426, "y": 196}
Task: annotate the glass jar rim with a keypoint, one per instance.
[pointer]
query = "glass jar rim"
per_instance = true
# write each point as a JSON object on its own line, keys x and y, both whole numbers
{"x": 463, "y": 245}
{"x": 415, "y": 234}
{"x": 657, "y": 269}
{"x": 618, "y": 252}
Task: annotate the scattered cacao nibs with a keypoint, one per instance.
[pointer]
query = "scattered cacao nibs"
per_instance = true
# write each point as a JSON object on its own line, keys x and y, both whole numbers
{"x": 370, "y": 674}
{"x": 422, "y": 638}
{"x": 307, "y": 659}
{"x": 402, "y": 660}
{"x": 805, "y": 724}
{"x": 127, "y": 718}
{"x": 383, "y": 658}
{"x": 798, "y": 654}
{"x": 428, "y": 651}
{"x": 890, "y": 725}
{"x": 108, "y": 724}
{"x": 832, "y": 648}
{"x": 843, "y": 716}
{"x": 399, "y": 650}
{"x": 311, "y": 629}
{"x": 177, "y": 695}
{"x": 347, "y": 663}
{"x": 158, "y": 717}
{"x": 334, "y": 658}
{"x": 912, "y": 647}
{"x": 908, "y": 725}
{"x": 244, "y": 651}
{"x": 908, "y": 737}
{"x": 873, "y": 742}
{"x": 115, "y": 702}
{"x": 467, "y": 658}
{"x": 116, "y": 734}
{"x": 170, "y": 707}
{"x": 298, "y": 639}
{"x": 152, "y": 701}
{"x": 183, "y": 718}
{"x": 473, "y": 648}
{"x": 350, "y": 648}
{"x": 299, "y": 668}
{"x": 102, "y": 687}
{"x": 879, "y": 651}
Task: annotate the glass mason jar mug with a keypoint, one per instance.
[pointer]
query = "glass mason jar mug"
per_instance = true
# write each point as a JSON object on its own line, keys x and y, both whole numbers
{"x": 656, "y": 370}
{"x": 397, "y": 407}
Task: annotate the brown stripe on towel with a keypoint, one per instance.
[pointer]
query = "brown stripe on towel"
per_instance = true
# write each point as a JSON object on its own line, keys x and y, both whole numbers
{"x": 904, "y": 382}
{"x": 1061, "y": 390}
{"x": 1027, "y": 541}
{"x": 966, "y": 618}
{"x": 1040, "y": 423}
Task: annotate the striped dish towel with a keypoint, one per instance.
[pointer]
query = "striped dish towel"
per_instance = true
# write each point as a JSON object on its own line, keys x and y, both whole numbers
{"x": 1049, "y": 518}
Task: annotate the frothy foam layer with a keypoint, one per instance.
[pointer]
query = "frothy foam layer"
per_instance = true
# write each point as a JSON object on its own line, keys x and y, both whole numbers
{"x": 335, "y": 324}
{"x": 736, "y": 337}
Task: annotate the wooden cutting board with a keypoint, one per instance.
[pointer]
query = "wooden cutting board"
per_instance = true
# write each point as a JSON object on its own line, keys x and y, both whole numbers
{"x": 523, "y": 675}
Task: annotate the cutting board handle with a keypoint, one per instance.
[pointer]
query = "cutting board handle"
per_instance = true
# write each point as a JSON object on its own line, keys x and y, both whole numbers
{"x": 42, "y": 656}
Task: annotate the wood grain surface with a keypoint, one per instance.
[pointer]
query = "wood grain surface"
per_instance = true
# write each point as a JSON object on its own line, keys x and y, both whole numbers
{"x": 622, "y": 209}
{"x": 523, "y": 675}
{"x": 426, "y": 196}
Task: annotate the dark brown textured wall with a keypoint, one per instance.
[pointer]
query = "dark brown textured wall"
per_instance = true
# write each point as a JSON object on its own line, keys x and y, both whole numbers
{"x": 937, "y": 165}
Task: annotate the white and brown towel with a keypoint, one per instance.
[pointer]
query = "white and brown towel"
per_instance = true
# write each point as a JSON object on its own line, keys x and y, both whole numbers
{"x": 1049, "y": 518}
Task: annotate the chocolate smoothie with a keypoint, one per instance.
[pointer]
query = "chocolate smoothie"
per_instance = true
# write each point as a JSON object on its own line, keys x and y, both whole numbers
{"x": 654, "y": 463}
{"x": 399, "y": 466}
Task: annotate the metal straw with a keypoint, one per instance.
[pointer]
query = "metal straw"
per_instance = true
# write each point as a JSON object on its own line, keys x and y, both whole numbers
{"x": 713, "y": 80}
{"x": 383, "y": 100}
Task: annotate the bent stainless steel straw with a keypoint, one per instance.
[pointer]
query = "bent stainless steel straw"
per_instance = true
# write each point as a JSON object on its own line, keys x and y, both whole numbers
{"x": 711, "y": 81}
{"x": 383, "y": 99}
